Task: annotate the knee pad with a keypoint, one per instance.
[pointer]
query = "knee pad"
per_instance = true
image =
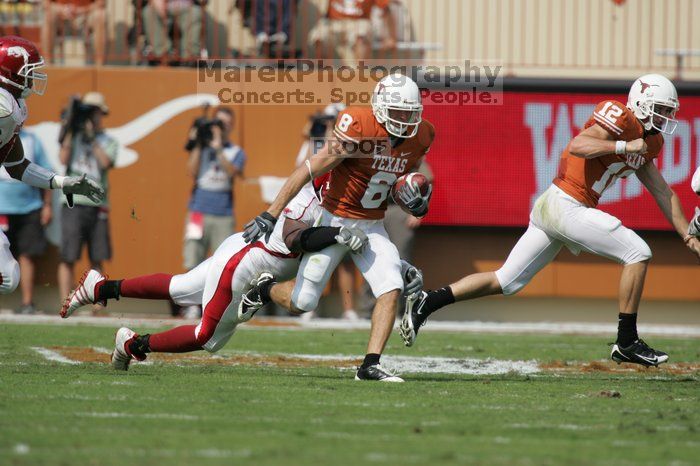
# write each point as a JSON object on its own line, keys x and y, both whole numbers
{"x": 306, "y": 298}
{"x": 308, "y": 290}
{"x": 10, "y": 277}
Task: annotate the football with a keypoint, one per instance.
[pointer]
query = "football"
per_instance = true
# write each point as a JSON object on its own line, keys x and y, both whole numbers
{"x": 416, "y": 178}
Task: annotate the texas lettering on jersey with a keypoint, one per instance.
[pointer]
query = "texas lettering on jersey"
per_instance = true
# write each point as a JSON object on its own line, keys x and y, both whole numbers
{"x": 587, "y": 179}
{"x": 360, "y": 185}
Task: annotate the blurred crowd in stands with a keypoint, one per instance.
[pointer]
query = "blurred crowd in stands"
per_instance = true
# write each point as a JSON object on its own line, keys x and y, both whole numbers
{"x": 180, "y": 32}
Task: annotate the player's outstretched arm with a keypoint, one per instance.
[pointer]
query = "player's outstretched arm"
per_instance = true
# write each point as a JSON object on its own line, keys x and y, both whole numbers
{"x": 300, "y": 237}
{"x": 594, "y": 142}
{"x": 668, "y": 202}
{"x": 23, "y": 170}
{"x": 318, "y": 165}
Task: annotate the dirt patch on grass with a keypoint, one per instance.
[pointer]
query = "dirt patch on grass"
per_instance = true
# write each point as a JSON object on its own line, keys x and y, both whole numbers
{"x": 201, "y": 358}
{"x": 613, "y": 367}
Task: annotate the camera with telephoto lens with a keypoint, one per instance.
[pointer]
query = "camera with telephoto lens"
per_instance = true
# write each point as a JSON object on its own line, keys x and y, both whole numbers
{"x": 74, "y": 117}
{"x": 205, "y": 133}
{"x": 319, "y": 124}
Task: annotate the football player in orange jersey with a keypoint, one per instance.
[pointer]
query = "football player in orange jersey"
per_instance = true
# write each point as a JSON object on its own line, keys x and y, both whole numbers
{"x": 380, "y": 144}
{"x": 617, "y": 141}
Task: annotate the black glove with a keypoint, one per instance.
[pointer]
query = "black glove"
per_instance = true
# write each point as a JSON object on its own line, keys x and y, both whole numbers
{"x": 263, "y": 224}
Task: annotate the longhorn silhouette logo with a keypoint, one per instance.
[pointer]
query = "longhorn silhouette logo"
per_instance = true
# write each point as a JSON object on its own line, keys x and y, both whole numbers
{"x": 127, "y": 134}
{"x": 646, "y": 86}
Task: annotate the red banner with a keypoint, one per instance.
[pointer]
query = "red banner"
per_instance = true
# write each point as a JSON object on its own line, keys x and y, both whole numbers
{"x": 491, "y": 162}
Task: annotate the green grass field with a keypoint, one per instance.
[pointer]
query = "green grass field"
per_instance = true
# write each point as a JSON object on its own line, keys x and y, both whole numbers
{"x": 265, "y": 413}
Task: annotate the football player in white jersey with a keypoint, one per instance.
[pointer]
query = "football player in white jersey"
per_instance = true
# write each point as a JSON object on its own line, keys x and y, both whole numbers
{"x": 220, "y": 283}
{"x": 20, "y": 77}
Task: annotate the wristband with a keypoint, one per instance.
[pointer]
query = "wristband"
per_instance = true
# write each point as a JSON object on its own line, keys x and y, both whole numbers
{"x": 621, "y": 147}
{"x": 57, "y": 182}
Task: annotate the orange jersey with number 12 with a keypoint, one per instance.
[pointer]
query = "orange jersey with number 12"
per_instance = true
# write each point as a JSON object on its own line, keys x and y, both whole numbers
{"x": 360, "y": 184}
{"x": 587, "y": 179}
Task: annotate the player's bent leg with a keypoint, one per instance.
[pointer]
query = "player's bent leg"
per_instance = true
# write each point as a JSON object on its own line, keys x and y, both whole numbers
{"x": 383, "y": 317}
{"x": 597, "y": 232}
{"x": 314, "y": 272}
{"x": 533, "y": 251}
{"x": 187, "y": 289}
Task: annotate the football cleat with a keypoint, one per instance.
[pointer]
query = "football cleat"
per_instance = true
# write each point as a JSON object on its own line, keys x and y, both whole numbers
{"x": 376, "y": 372}
{"x": 251, "y": 301}
{"x": 638, "y": 353}
{"x": 83, "y": 294}
{"x": 413, "y": 318}
{"x": 121, "y": 357}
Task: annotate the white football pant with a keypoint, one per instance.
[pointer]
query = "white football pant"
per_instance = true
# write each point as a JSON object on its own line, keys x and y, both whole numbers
{"x": 379, "y": 263}
{"x": 557, "y": 220}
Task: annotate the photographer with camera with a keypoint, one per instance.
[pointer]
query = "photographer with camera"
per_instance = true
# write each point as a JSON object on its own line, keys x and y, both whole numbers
{"x": 85, "y": 150}
{"x": 214, "y": 163}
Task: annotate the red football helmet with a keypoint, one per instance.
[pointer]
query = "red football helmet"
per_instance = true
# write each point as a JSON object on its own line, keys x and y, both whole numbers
{"x": 19, "y": 65}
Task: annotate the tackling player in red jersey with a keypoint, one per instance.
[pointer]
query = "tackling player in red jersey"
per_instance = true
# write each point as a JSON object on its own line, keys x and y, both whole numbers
{"x": 20, "y": 76}
{"x": 617, "y": 141}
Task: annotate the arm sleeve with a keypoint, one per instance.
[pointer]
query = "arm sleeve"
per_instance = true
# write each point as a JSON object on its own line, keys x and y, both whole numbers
{"x": 316, "y": 238}
{"x": 348, "y": 126}
{"x": 613, "y": 117}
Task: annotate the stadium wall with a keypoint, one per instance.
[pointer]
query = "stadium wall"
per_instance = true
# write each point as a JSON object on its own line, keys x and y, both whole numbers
{"x": 150, "y": 188}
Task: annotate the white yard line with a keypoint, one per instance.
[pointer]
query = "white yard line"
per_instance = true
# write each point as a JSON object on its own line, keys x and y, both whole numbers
{"x": 111, "y": 415}
{"x": 291, "y": 323}
{"x": 53, "y": 355}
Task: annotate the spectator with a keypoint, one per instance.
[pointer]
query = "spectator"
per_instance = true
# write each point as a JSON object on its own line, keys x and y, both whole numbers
{"x": 348, "y": 23}
{"x": 273, "y": 20}
{"x": 84, "y": 18}
{"x": 86, "y": 149}
{"x": 214, "y": 163}
{"x": 184, "y": 18}
{"x": 24, "y": 212}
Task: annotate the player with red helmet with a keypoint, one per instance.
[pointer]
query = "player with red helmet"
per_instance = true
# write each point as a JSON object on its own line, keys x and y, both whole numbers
{"x": 617, "y": 141}
{"x": 20, "y": 76}
{"x": 379, "y": 145}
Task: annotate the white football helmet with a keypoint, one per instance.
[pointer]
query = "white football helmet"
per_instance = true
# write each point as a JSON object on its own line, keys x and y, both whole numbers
{"x": 396, "y": 104}
{"x": 654, "y": 100}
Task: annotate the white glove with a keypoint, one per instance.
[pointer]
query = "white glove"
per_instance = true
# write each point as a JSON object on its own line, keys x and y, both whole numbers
{"x": 84, "y": 186}
{"x": 414, "y": 201}
{"x": 354, "y": 238}
{"x": 412, "y": 279}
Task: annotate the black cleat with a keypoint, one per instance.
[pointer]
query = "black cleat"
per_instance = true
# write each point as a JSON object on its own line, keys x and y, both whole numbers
{"x": 638, "y": 353}
{"x": 376, "y": 372}
{"x": 251, "y": 301}
{"x": 413, "y": 318}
